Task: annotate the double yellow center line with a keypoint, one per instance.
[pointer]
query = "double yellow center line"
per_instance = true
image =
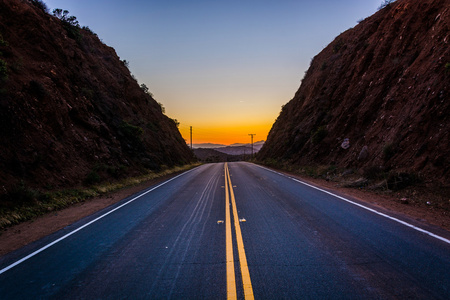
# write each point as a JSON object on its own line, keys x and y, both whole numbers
{"x": 231, "y": 277}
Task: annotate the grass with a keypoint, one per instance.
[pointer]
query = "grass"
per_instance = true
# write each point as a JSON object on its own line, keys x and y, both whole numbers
{"x": 3, "y": 70}
{"x": 24, "y": 203}
{"x": 3, "y": 43}
{"x": 338, "y": 45}
{"x": 392, "y": 180}
{"x": 131, "y": 131}
{"x": 318, "y": 135}
{"x": 314, "y": 171}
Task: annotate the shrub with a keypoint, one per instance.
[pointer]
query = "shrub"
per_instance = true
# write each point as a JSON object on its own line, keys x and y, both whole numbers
{"x": 153, "y": 126}
{"x": 388, "y": 151}
{"x": 144, "y": 87}
{"x": 310, "y": 171}
{"x": 318, "y": 135}
{"x": 73, "y": 32}
{"x": 86, "y": 28}
{"x": 338, "y": 45}
{"x": 447, "y": 67}
{"x": 63, "y": 15}
{"x": 3, "y": 70}
{"x": 271, "y": 162}
{"x": 92, "y": 178}
{"x": 114, "y": 171}
{"x": 21, "y": 194}
{"x": 37, "y": 89}
{"x": 17, "y": 65}
{"x": 88, "y": 93}
{"x": 398, "y": 181}
{"x": 70, "y": 23}
{"x": 176, "y": 122}
{"x": 385, "y": 3}
{"x": 40, "y": 4}
{"x": 3, "y": 43}
{"x": 163, "y": 109}
{"x": 374, "y": 172}
{"x": 131, "y": 131}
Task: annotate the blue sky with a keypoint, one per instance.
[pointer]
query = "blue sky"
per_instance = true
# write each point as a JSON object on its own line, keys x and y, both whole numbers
{"x": 223, "y": 67}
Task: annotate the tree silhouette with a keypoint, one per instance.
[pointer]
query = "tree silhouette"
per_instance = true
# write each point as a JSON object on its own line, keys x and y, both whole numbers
{"x": 63, "y": 15}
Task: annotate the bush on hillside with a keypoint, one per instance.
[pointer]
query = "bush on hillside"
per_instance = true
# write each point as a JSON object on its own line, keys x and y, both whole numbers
{"x": 385, "y": 3}
{"x": 40, "y": 4}
{"x": 3, "y": 70}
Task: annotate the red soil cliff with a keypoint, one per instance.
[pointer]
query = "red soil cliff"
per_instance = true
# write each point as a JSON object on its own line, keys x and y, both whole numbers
{"x": 384, "y": 86}
{"x": 69, "y": 107}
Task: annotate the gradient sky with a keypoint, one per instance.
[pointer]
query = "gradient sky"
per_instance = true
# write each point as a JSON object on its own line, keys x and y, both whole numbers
{"x": 223, "y": 67}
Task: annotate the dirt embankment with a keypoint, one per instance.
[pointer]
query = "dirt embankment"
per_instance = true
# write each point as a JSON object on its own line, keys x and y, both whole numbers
{"x": 70, "y": 111}
{"x": 376, "y": 100}
{"x": 17, "y": 236}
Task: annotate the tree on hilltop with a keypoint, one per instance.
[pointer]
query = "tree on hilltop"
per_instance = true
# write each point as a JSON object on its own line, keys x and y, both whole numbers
{"x": 63, "y": 15}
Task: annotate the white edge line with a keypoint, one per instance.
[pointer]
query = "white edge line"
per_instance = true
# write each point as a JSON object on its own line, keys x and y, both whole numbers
{"x": 86, "y": 225}
{"x": 364, "y": 207}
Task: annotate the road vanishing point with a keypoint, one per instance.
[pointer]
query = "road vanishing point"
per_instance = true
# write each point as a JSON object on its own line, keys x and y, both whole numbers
{"x": 234, "y": 231}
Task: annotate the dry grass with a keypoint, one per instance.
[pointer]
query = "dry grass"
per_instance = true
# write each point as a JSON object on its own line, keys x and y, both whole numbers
{"x": 34, "y": 203}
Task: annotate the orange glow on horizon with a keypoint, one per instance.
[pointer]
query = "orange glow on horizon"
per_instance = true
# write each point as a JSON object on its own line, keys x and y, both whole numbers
{"x": 226, "y": 117}
{"x": 225, "y": 135}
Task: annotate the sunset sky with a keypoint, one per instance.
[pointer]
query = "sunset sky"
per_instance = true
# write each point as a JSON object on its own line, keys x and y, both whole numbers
{"x": 224, "y": 67}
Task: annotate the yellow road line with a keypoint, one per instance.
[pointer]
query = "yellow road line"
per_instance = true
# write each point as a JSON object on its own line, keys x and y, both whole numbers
{"x": 231, "y": 278}
{"x": 246, "y": 282}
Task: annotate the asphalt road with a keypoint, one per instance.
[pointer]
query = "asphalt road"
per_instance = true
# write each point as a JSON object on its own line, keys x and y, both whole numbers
{"x": 223, "y": 231}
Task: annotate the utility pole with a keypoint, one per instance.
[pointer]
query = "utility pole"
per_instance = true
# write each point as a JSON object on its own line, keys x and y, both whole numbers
{"x": 191, "y": 137}
{"x": 252, "y": 134}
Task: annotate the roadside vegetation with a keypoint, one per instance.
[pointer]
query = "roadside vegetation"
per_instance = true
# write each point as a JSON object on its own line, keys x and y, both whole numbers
{"x": 407, "y": 188}
{"x": 23, "y": 203}
{"x": 385, "y": 3}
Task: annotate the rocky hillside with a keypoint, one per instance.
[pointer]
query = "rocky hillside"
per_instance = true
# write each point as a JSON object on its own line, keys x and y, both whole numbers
{"x": 70, "y": 111}
{"x": 375, "y": 99}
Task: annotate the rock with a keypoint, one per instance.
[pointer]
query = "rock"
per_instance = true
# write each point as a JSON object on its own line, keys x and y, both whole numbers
{"x": 345, "y": 144}
{"x": 364, "y": 154}
{"x": 348, "y": 172}
{"x": 361, "y": 182}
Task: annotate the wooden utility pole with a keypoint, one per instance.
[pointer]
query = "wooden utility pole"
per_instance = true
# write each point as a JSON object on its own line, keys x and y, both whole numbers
{"x": 252, "y": 134}
{"x": 191, "y": 137}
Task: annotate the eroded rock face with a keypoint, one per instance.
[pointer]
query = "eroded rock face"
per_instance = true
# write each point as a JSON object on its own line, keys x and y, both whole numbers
{"x": 384, "y": 85}
{"x": 68, "y": 104}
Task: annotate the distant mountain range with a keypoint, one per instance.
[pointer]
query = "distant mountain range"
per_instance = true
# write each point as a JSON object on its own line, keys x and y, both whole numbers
{"x": 256, "y": 145}
{"x": 233, "y": 149}
{"x": 207, "y": 146}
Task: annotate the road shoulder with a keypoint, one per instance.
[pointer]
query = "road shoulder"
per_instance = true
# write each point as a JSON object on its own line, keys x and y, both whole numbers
{"x": 17, "y": 236}
{"x": 390, "y": 202}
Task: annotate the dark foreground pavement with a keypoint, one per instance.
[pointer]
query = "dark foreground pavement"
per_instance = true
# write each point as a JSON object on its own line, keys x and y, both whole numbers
{"x": 169, "y": 242}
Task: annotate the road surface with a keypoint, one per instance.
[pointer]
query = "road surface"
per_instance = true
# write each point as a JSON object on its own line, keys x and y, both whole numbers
{"x": 236, "y": 230}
